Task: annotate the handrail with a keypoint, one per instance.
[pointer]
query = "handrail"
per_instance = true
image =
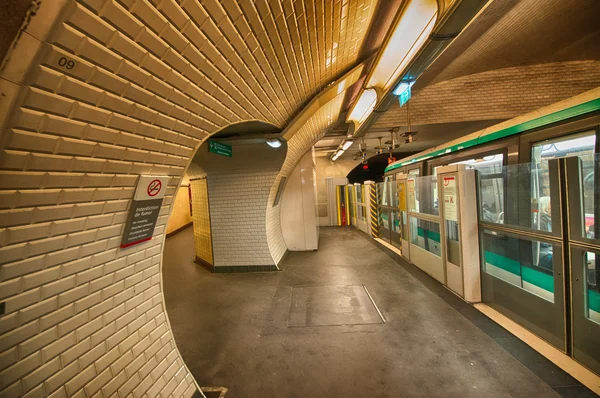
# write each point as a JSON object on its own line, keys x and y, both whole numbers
{"x": 521, "y": 231}
{"x": 425, "y": 216}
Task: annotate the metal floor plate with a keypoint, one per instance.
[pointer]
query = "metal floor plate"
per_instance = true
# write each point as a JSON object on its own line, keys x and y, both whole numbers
{"x": 332, "y": 306}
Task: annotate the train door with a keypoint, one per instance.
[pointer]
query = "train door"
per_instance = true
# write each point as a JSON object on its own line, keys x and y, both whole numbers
{"x": 539, "y": 259}
{"x": 403, "y": 214}
{"x": 383, "y": 209}
{"x": 583, "y": 202}
{"x": 395, "y": 227}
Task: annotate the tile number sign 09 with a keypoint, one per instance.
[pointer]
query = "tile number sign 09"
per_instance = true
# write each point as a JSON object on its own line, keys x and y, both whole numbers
{"x": 64, "y": 62}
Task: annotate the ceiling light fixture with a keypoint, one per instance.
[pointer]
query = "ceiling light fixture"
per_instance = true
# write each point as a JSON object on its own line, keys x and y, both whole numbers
{"x": 340, "y": 151}
{"x": 337, "y": 155}
{"x": 273, "y": 142}
{"x": 363, "y": 106}
{"x": 411, "y": 30}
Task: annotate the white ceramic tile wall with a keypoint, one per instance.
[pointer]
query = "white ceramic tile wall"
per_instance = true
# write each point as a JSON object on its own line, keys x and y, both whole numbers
{"x": 238, "y": 204}
{"x": 301, "y": 142}
{"x": 96, "y": 92}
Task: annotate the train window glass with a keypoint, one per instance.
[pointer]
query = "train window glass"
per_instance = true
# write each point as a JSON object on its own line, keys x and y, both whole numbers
{"x": 494, "y": 162}
{"x": 580, "y": 144}
{"x": 426, "y": 235}
{"x": 491, "y": 191}
{"x": 592, "y": 275}
{"x": 394, "y": 194}
{"x": 425, "y": 195}
{"x": 589, "y": 166}
{"x": 395, "y": 226}
{"x": 520, "y": 195}
{"x": 513, "y": 260}
{"x": 383, "y": 194}
{"x": 414, "y": 172}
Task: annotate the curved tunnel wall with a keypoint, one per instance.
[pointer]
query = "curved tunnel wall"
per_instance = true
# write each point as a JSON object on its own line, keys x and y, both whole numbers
{"x": 238, "y": 189}
{"x": 303, "y": 139}
{"x": 95, "y": 93}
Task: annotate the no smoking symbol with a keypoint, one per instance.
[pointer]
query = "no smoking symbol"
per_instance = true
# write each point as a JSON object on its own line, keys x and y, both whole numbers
{"x": 154, "y": 187}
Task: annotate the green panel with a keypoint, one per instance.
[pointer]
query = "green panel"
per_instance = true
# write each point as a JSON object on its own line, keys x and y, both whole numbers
{"x": 538, "y": 279}
{"x": 434, "y": 236}
{"x": 574, "y": 111}
{"x": 593, "y": 300}
{"x": 507, "y": 264}
{"x": 529, "y": 275}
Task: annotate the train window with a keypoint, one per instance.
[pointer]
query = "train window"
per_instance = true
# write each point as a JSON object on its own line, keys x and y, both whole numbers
{"x": 589, "y": 167}
{"x": 492, "y": 161}
{"x": 383, "y": 194}
{"x": 426, "y": 235}
{"x": 580, "y": 144}
{"x": 425, "y": 195}
{"x": 593, "y": 288}
{"x": 509, "y": 258}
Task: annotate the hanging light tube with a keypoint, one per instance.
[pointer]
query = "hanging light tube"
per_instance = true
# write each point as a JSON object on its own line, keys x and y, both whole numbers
{"x": 408, "y": 36}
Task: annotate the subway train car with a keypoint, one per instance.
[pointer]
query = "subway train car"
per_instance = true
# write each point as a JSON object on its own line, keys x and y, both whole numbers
{"x": 534, "y": 209}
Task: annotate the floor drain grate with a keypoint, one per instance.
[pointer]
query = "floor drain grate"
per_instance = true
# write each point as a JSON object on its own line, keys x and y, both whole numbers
{"x": 214, "y": 392}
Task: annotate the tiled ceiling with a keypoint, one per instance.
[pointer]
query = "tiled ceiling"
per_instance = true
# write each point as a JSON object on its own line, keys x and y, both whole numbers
{"x": 293, "y": 48}
{"x": 269, "y": 57}
{"x": 516, "y": 33}
{"x": 503, "y": 64}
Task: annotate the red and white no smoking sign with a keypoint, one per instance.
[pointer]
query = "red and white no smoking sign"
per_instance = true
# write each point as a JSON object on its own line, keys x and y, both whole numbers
{"x": 144, "y": 211}
{"x": 150, "y": 187}
{"x": 154, "y": 188}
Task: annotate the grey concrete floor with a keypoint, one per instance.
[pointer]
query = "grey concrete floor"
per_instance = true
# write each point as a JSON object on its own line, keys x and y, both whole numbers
{"x": 232, "y": 330}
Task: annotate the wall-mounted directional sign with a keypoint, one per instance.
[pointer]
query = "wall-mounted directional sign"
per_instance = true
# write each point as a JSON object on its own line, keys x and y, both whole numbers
{"x": 144, "y": 211}
{"x": 219, "y": 148}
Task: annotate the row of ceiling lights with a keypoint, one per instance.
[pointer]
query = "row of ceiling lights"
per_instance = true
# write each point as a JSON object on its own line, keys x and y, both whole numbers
{"x": 410, "y": 32}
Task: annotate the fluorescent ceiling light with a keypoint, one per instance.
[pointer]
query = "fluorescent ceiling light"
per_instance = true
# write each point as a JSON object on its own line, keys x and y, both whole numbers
{"x": 409, "y": 34}
{"x": 347, "y": 145}
{"x": 337, "y": 155}
{"x": 273, "y": 142}
{"x": 363, "y": 106}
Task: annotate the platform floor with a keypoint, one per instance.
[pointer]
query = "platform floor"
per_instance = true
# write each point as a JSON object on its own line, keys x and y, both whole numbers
{"x": 315, "y": 329}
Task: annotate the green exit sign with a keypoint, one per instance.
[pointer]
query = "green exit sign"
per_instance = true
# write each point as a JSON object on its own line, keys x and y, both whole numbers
{"x": 404, "y": 96}
{"x": 220, "y": 149}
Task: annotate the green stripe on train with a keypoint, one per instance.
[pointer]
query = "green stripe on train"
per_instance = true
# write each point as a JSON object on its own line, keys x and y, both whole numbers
{"x": 594, "y": 300}
{"x": 434, "y": 236}
{"x": 385, "y": 217}
{"x": 535, "y": 277}
{"x": 577, "y": 110}
{"x": 527, "y": 274}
